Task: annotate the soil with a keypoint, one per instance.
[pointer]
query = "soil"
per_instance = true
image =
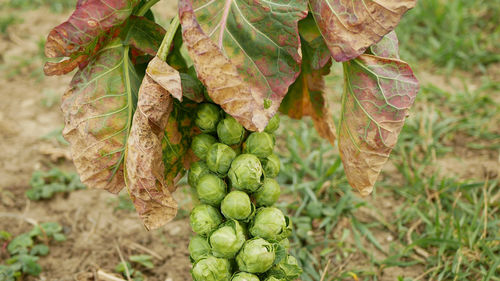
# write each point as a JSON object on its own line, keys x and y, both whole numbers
{"x": 97, "y": 233}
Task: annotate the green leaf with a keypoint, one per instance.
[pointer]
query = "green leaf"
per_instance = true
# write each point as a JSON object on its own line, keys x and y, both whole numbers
{"x": 180, "y": 130}
{"x": 350, "y": 27}
{"x": 144, "y": 35}
{"x": 20, "y": 244}
{"x": 4, "y": 235}
{"x": 98, "y": 110}
{"x": 144, "y": 260}
{"x": 378, "y": 94}
{"x": 39, "y": 250}
{"x": 239, "y": 55}
{"x": 28, "y": 264}
{"x": 9, "y": 273}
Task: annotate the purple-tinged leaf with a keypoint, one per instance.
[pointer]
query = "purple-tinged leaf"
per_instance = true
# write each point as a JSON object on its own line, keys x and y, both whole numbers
{"x": 258, "y": 45}
{"x": 351, "y": 26}
{"x": 82, "y": 33}
{"x": 378, "y": 95}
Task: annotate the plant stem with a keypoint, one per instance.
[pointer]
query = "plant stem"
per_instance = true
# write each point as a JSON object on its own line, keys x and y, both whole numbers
{"x": 167, "y": 40}
{"x": 144, "y": 9}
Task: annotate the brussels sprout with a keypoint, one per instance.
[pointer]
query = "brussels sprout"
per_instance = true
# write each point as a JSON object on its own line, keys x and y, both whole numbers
{"x": 198, "y": 247}
{"x": 211, "y": 189}
{"x": 211, "y": 268}
{"x": 256, "y": 256}
{"x": 245, "y": 173}
{"x": 285, "y": 243}
{"x": 270, "y": 223}
{"x": 260, "y": 144}
{"x": 273, "y": 124}
{"x": 207, "y": 117}
{"x": 227, "y": 240}
{"x": 271, "y": 165}
{"x": 200, "y": 145}
{"x": 219, "y": 158}
{"x": 230, "y": 131}
{"x": 245, "y": 276}
{"x": 197, "y": 170}
{"x": 236, "y": 205}
{"x": 287, "y": 269}
{"x": 273, "y": 278}
{"x": 204, "y": 219}
{"x": 268, "y": 193}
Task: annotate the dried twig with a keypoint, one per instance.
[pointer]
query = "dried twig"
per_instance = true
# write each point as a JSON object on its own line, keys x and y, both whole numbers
{"x": 101, "y": 275}
{"x": 127, "y": 273}
{"x": 325, "y": 270}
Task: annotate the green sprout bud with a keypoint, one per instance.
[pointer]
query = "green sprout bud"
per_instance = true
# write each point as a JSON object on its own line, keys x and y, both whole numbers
{"x": 287, "y": 269}
{"x": 270, "y": 223}
{"x": 211, "y": 189}
{"x": 285, "y": 243}
{"x": 197, "y": 170}
{"x": 259, "y": 144}
{"x": 268, "y": 193}
{"x": 211, "y": 268}
{"x": 273, "y": 124}
{"x": 201, "y": 143}
{"x": 271, "y": 165}
{"x": 246, "y": 173}
{"x": 236, "y": 205}
{"x": 245, "y": 276}
{"x": 204, "y": 219}
{"x": 198, "y": 247}
{"x": 230, "y": 131}
{"x": 207, "y": 117}
{"x": 256, "y": 256}
{"x": 227, "y": 240}
{"x": 219, "y": 158}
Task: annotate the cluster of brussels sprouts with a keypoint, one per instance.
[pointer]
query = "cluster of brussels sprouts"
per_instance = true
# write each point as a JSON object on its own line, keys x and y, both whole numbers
{"x": 240, "y": 236}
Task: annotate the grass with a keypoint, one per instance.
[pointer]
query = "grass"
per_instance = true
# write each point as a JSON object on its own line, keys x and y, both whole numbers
{"x": 452, "y": 34}
{"x": 442, "y": 228}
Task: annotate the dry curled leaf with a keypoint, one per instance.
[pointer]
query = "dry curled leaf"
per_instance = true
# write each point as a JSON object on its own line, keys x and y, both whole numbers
{"x": 245, "y": 64}
{"x": 144, "y": 166}
{"x": 378, "y": 94}
{"x": 349, "y": 27}
{"x": 158, "y": 144}
{"x": 98, "y": 110}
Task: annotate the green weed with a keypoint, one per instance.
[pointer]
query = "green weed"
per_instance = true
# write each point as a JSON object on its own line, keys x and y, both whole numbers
{"x": 460, "y": 33}
{"x": 45, "y": 184}
{"x": 25, "y": 250}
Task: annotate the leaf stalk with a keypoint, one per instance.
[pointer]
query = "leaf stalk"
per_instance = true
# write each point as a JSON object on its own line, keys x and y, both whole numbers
{"x": 167, "y": 40}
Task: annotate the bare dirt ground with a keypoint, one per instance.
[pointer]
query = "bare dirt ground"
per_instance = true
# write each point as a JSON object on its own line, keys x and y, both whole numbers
{"x": 95, "y": 231}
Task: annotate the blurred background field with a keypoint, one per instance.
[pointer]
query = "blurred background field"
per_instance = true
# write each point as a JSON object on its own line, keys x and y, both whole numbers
{"x": 434, "y": 214}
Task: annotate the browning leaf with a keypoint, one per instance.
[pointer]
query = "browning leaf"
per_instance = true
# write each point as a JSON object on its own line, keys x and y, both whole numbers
{"x": 238, "y": 53}
{"x": 98, "y": 110}
{"x": 306, "y": 96}
{"x": 166, "y": 76}
{"x": 145, "y": 169}
{"x": 378, "y": 94}
{"x": 82, "y": 32}
{"x": 349, "y": 27}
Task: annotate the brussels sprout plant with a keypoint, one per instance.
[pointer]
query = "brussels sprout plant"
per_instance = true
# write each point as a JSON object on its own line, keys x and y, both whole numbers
{"x": 202, "y": 98}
